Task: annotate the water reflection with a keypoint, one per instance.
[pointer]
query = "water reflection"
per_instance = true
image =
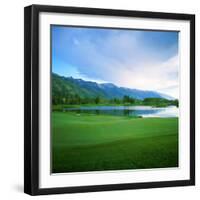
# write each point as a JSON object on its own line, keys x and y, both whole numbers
{"x": 143, "y": 111}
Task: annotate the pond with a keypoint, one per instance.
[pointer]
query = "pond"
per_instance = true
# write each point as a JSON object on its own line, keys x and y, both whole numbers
{"x": 142, "y": 111}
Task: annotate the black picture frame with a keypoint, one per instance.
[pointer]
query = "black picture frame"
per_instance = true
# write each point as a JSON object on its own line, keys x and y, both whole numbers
{"x": 31, "y": 98}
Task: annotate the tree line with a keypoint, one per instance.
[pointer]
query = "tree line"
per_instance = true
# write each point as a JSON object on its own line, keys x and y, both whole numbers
{"x": 127, "y": 100}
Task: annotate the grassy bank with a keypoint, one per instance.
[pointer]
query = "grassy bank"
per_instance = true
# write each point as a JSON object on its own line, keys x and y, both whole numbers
{"x": 97, "y": 142}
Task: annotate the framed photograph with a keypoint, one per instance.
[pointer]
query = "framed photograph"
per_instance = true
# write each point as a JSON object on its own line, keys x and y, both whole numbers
{"x": 109, "y": 99}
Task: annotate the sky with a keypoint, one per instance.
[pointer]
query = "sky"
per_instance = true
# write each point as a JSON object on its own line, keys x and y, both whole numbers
{"x": 140, "y": 59}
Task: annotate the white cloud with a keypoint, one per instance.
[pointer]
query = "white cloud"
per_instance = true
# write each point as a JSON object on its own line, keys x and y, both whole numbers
{"x": 151, "y": 76}
{"x": 172, "y": 91}
{"x": 124, "y": 60}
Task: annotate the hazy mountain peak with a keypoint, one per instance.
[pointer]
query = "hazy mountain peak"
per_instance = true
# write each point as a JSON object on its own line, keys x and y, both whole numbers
{"x": 105, "y": 90}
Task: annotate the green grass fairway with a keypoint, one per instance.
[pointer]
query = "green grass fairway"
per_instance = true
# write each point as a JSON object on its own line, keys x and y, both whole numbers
{"x": 99, "y": 142}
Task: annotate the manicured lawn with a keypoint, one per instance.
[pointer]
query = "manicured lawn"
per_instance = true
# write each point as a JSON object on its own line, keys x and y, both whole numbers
{"x": 98, "y": 142}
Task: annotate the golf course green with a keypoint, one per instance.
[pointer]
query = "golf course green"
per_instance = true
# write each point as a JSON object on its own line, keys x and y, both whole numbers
{"x": 86, "y": 142}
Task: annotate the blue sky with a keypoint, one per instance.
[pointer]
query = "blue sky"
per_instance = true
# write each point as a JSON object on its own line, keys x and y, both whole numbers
{"x": 146, "y": 60}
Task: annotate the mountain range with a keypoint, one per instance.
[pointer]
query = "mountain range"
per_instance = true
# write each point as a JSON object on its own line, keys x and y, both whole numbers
{"x": 65, "y": 86}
